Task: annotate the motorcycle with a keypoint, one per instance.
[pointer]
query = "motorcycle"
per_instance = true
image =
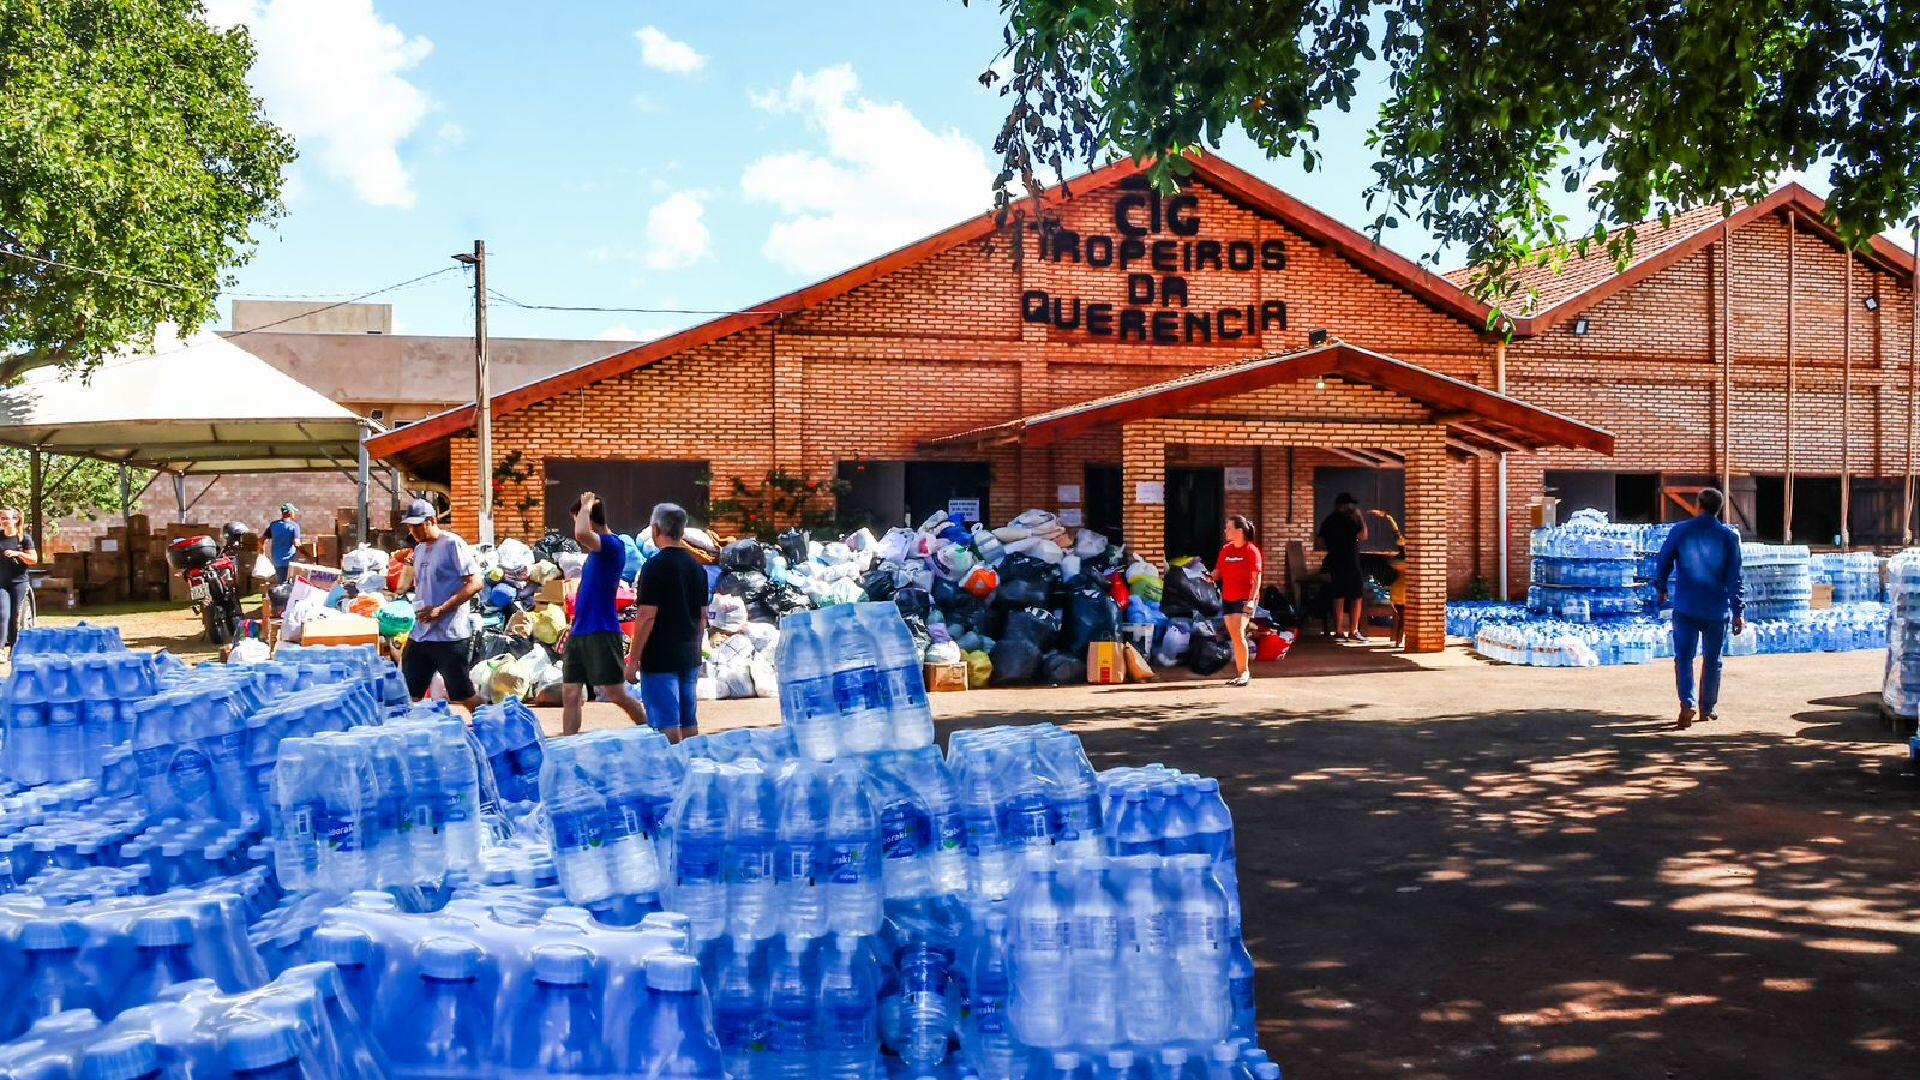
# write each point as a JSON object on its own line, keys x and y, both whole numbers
{"x": 211, "y": 570}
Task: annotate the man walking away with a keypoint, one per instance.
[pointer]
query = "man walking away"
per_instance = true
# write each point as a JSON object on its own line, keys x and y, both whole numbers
{"x": 594, "y": 655}
{"x": 445, "y": 577}
{"x": 669, "y": 627}
{"x": 283, "y": 540}
{"x": 1703, "y": 556}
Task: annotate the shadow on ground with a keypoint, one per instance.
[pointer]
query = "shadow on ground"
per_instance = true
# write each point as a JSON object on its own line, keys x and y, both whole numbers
{"x": 1559, "y": 892}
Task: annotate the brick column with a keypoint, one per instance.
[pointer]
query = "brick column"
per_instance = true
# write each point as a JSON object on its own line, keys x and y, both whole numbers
{"x": 1426, "y": 529}
{"x": 1143, "y": 457}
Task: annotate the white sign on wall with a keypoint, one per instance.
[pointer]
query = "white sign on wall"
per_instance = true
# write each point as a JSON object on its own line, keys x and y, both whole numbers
{"x": 1239, "y": 478}
{"x": 1150, "y": 492}
{"x": 967, "y": 510}
{"x": 1070, "y": 516}
{"x": 1068, "y": 493}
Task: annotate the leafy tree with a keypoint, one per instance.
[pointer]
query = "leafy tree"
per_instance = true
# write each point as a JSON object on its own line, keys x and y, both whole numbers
{"x": 82, "y": 486}
{"x": 1489, "y": 104}
{"x": 130, "y": 145}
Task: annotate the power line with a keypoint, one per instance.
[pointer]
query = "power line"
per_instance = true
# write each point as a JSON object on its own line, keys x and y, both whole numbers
{"x": 242, "y": 295}
{"x": 505, "y": 299}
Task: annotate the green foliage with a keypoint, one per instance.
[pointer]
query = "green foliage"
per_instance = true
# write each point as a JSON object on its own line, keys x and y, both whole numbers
{"x": 1488, "y": 104}
{"x": 82, "y": 486}
{"x": 130, "y": 144}
{"x": 779, "y": 500}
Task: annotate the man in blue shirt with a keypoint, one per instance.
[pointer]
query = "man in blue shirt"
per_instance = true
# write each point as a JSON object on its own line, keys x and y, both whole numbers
{"x": 1703, "y": 556}
{"x": 283, "y": 537}
{"x": 596, "y": 650}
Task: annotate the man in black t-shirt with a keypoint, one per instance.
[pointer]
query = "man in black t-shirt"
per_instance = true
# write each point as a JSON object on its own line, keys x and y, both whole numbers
{"x": 1341, "y": 534}
{"x": 670, "y": 627}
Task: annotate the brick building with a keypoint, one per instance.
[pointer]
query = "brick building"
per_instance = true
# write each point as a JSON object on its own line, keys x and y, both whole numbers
{"x": 1152, "y": 362}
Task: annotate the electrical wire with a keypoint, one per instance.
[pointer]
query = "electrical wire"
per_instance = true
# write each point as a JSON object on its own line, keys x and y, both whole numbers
{"x": 510, "y": 301}
{"x": 242, "y": 295}
{"x": 343, "y": 303}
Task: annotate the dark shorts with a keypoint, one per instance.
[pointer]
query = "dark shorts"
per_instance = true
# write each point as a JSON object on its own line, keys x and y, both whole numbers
{"x": 1348, "y": 582}
{"x": 1233, "y": 607}
{"x": 451, "y": 660}
{"x": 671, "y": 699}
{"x": 594, "y": 660}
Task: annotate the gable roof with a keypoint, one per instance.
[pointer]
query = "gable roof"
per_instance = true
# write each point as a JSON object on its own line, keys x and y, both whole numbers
{"x": 1478, "y": 419}
{"x": 1581, "y": 281}
{"x": 1230, "y": 180}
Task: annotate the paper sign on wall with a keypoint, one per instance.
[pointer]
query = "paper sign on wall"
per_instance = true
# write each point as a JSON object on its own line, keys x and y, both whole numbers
{"x": 1150, "y": 492}
{"x": 1239, "y": 478}
{"x": 1068, "y": 493}
{"x": 1070, "y": 516}
{"x": 967, "y": 510}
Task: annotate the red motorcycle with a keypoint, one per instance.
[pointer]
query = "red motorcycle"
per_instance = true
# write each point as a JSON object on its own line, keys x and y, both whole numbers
{"x": 212, "y": 572}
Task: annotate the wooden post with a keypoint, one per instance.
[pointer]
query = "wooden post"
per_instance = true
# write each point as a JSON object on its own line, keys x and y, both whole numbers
{"x": 1786, "y": 517}
{"x": 36, "y": 494}
{"x": 126, "y": 526}
{"x": 1726, "y": 366}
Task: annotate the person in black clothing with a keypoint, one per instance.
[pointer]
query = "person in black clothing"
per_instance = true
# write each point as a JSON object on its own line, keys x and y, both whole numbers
{"x": 1341, "y": 534}
{"x": 669, "y": 628}
{"x": 16, "y": 554}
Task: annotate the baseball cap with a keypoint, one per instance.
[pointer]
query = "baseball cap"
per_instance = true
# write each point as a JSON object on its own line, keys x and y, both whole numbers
{"x": 1344, "y": 499}
{"x": 419, "y": 512}
{"x": 289, "y": 508}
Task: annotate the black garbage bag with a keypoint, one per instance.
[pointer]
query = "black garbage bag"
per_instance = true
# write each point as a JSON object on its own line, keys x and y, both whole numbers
{"x": 1189, "y": 594}
{"x": 878, "y": 583}
{"x": 793, "y": 545}
{"x": 1014, "y": 662}
{"x": 1091, "y": 614}
{"x": 1038, "y": 625}
{"x": 740, "y": 583}
{"x": 953, "y": 601}
{"x": 1105, "y": 563}
{"x": 1210, "y": 650}
{"x": 553, "y": 542}
{"x": 1279, "y": 608}
{"x": 277, "y": 596}
{"x": 491, "y": 643}
{"x": 743, "y": 555}
{"x": 1065, "y": 668}
{"x": 1025, "y": 582}
{"x": 913, "y": 602}
{"x": 917, "y": 626}
{"x": 776, "y": 601}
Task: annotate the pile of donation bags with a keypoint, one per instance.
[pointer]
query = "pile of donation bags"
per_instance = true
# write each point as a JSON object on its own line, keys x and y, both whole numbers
{"x": 439, "y": 902}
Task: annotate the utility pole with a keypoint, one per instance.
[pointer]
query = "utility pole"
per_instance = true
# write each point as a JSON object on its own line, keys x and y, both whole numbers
{"x": 482, "y": 387}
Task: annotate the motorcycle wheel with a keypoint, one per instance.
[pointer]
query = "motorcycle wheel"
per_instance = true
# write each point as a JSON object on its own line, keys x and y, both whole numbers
{"x": 219, "y": 624}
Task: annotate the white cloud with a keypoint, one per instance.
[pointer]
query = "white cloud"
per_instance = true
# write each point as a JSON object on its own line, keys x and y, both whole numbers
{"x": 880, "y": 179}
{"x": 333, "y": 75}
{"x": 662, "y": 53}
{"x": 623, "y": 332}
{"x": 449, "y": 136}
{"x": 676, "y": 234}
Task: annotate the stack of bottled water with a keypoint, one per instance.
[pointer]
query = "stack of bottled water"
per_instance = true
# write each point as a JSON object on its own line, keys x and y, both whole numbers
{"x": 68, "y": 641}
{"x": 374, "y": 807}
{"x": 851, "y": 682}
{"x": 1465, "y": 617}
{"x": 1779, "y": 580}
{"x": 1021, "y": 790}
{"x": 1588, "y": 568}
{"x": 607, "y": 796}
{"x": 510, "y": 737}
{"x": 1855, "y": 576}
{"x": 65, "y": 710}
{"x": 1901, "y": 692}
{"x": 1554, "y": 643}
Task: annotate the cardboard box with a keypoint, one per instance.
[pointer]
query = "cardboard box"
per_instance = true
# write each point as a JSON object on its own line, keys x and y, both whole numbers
{"x": 320, "y": 577}
{"x": 340, "y": 630}
{"x": 1822, "y": 597}
{"x": 552, "y": 592}
{"x": 945, "y": 678}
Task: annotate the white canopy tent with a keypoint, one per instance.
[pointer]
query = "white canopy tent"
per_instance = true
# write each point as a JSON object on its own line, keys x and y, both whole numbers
{"x": 199, "y": 406}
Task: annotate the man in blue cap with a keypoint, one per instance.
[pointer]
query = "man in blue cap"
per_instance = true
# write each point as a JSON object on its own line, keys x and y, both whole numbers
{"x": 445, "y": 576}
{"x": 283, "y": 541}
{"x": 1702, "y": 555}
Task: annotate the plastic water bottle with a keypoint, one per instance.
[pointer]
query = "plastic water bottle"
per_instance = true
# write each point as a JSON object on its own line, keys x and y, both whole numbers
{"x": 558, "y": 1031}
{"x": 459, "y": 791}
{"x": 1151, "y": 1013}
{"x": 849, "y": 1031}
{"x": 1042, "y": 958}
{"x": 26, "y": 744}
{"x": 630, "y": 846}
{"x": 263, "y": 1050}
{"x": 798, "y": 843}
{"x": 579, "y": 817}
{"x": 856, "y": 683}
{"x": 163, "y": 957}
{"x": 902, "y": 680}
{"x": 805, "y": 679}
{"x": 1074, "y": 804}
{"x": 445, "y": 1025}
{"x": 1212, "y": 821}
{"x": 426, "y": 807}
{"x": 791, "y": 1044}
{"x": 351, "y": 951}
{"x": 66, "y": 752}
{"x": 1198, "y": 929}
{"x": 852, "y": 854}
{"x": 986, "y": 1034}
{"x": 739, "y": 1008}
{"x": 52, "y": 981}
{"x": 671, "y": 1036}
{"x": 752, "y": 823}
{"x": 349, "y": 794}
{"x": 926, "y": 1006}
{"x": 300, "y": 811}
{"x": 1178, "y": 831}
{"x": 989, "y": 862}
{"x": 1094, "y": 944}
{"x": 699, "y": 849}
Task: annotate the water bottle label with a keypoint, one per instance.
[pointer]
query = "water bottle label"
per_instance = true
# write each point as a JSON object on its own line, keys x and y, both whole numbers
{"x": 575, "y": 831}
{"x": 905, "y": 686}
{"x": 1148, "y": 933}
{"x": 982, "y": 831}
{"x": 63, "y": 713}
{"x": 1025, "y": 821}
{"x": 793, "y": 862}
{"x": 1240, "y": 991}
{"x": 903, "y": 831}
{"x": 426, "y": 814}
{"x": 807, "y": 699}
{"x": 698, "y": 862}
{"x": 457, "y": 808}
{"x": 1043, "y": 934}
{"x": 190, "y": 775}
{"x": 790, "y": 1033}
{"x": 856, "y": 689}
{"x": 1075, "y": 819}
{"x": 751, "y": 863}
{"x": 228, "y": 747}
{"x": 302, "y": 820}
{"x": 1196, "y": 928}
{"x": 627, "y": 816}
{"x": 1097, "y": 933}
{"x": 848, "y": 1026}
{"x": 850, "y": 862}
{"x": 988, "y": 1013}
{"x": 739, "y": 1031}
{"x": 152, "y": 761}
{"x": 949, "y": 831}
{"x": 343, "y": 830}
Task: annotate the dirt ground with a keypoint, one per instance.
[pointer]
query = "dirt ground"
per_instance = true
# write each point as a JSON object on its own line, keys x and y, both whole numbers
{"x": 1454, "y": 869}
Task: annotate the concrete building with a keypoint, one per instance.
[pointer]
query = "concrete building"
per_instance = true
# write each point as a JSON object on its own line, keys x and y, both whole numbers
{"x": 1153, "y": 362}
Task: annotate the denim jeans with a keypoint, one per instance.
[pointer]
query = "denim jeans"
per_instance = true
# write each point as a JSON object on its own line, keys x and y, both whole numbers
{"x": 671, "y": 699}
{"x": 1709, "y": 641}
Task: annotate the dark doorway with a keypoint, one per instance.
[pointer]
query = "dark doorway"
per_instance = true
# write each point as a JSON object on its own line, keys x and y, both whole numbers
{"x": 1196, "y": 513}
{"x": 958, "y": 487}
{"x": 1103, "y": 501}
{"x": 630, "y": 489}
{"x": 1377, "y": 489}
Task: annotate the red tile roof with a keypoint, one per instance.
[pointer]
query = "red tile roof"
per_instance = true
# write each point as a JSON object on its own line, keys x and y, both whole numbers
{"x": 1543, "y": 286}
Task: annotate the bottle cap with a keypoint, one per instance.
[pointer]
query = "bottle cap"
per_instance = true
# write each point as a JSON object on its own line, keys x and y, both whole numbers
{"x": 51, "y": 934}
{"x": 1175, "y": 1056}
{"x": 341, "y": 945}
{"x": 562, "y": 965}
{"x": 261, "y": 1044}
{"x": 1120, "y": 1061}
{"x": 672, "y": 973}
{"x": 123, "y": 1057}
{"x": 1066, "y": 1061}
{"x": 449, "y": 958}
{"x": 162, "y": 929}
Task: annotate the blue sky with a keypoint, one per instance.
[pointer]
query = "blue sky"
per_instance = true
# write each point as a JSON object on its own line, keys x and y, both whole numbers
{"x": 644, "y": 155}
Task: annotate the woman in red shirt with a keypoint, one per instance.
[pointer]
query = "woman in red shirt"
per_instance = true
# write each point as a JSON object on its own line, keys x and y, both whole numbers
{"x": 1238, "y": 572}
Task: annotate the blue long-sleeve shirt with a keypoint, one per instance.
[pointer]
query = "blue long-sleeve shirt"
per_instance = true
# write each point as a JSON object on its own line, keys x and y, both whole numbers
{"x": 1702, "y": 555}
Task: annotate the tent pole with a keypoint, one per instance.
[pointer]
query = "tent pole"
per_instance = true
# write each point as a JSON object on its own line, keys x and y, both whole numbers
{"x": 366, "y": 465}
{"x": 36, "y": 478}
{"x": 126, "y": 526}
{"x": 180, "y": 497}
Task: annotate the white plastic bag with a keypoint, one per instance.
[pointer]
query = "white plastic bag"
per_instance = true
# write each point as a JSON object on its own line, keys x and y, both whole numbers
{"x": 765, "y": 682}
{"x": 727, "y": 613}
{"x": 898, "y": 545}
{"x": 765, "y": 637}
{"x": 249, "y": 651}
{"x": 263, "y": 567}
{"x": 363, "y": 559}
{"x": 513, "y": 557}
{"x": 1089, "y": 544}
{"x": 945, "y": 652}
{"x": 570, "y": 564}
